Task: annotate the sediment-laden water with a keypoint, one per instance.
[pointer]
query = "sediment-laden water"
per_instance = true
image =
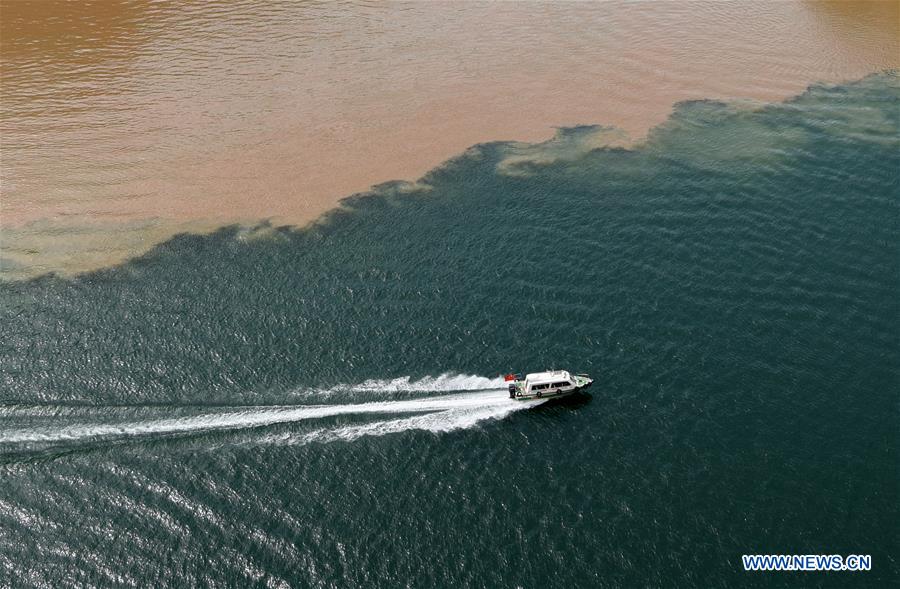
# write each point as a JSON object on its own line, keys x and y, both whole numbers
{"x": 126, "y": 122}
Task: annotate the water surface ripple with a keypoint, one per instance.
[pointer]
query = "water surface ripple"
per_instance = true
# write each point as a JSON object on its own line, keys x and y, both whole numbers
{"x": 319, "y": 408}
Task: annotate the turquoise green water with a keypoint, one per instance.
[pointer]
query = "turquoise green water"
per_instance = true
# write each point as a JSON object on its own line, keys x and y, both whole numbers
{"x": 321, "y": 408}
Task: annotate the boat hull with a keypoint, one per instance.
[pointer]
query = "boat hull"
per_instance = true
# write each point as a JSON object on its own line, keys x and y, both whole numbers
{"x": 546, "y": 396}
{"x": 518, "y": 392}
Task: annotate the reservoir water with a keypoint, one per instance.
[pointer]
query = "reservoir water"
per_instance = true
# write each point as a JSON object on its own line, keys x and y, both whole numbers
{"x": 270, "y": 404}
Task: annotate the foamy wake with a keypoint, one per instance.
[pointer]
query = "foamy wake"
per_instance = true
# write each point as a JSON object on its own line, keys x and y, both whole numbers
{"x": 369, "y": 389}
{"x": 473, "y": 399}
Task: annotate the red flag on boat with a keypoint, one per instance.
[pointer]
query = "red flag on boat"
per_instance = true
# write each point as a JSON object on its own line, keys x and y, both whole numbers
{"x": 509, "y": 377}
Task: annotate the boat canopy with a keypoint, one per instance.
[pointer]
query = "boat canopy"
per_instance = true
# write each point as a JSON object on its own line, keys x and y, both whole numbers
{"x": 547, "y": 377}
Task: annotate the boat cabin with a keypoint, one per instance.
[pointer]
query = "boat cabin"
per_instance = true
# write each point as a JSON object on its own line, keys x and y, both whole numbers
{"x": 541, "y": 383}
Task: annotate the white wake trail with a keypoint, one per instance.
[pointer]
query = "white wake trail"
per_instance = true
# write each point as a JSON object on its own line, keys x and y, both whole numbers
{"x": 448, "y": 419}
{"x": 444, "y": 382}
{"x": 435, "y": 413}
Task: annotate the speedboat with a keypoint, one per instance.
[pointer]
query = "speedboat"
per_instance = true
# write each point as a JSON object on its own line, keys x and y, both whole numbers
{"x": 546, "y": 385}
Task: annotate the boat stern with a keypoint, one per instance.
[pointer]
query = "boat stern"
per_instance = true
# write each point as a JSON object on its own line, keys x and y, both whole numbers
{"x": 514, "y": 384}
